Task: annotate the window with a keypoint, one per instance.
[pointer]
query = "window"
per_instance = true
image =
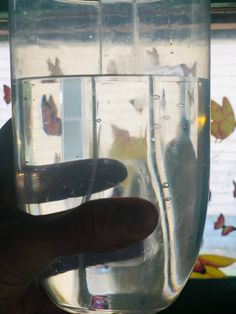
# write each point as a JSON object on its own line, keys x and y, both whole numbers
{"x": 220, "y": 229}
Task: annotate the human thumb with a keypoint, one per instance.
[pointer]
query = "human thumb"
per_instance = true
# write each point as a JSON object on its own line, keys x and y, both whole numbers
{"x": 31, "y": 243}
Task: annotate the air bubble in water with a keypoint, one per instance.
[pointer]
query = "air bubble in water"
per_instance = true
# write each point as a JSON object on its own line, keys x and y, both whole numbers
{"x": 167, "y": 199}
{"x": 99, "y": 120}
{"x": 180, "y": 105}
{"x": 165, "y": 185}
{"x": 156, "y": 97}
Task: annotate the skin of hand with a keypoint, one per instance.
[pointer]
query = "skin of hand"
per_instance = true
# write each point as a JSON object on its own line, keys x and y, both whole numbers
{"x": 30, "y": 243}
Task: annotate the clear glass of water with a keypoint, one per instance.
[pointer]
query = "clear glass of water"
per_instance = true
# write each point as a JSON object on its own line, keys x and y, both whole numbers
{"x": 125, "y": 84}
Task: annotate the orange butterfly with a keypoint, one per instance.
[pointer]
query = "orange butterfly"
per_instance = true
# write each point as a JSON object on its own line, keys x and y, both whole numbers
{"x": 7, "y": 94}
{"x": 51, "y": 122}
{"x": 223, "y": 119}
{"x": 220, "y": 224}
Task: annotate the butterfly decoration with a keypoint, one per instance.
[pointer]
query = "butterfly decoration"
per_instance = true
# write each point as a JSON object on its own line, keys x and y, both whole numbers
{"x": 99, "y": 302}
{"x": 126, "y": 146}
{"x": 51, "y": 122}
{"x": 234, "y": 191}
{"x": 138, "y": 104}
{"x": 220, "y": 224}
{"x": 210, "y": 266}
{"x": 7, "y": 94}
{"x": 154, "y": 55}
{"x": 223, "y": 119}
{"x": 54, "y": 67}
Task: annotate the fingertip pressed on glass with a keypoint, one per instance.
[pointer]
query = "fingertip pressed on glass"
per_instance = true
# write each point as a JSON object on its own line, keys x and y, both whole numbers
{"x": 111, "y": 99}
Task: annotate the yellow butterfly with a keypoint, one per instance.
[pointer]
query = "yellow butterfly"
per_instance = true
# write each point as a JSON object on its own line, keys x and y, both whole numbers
{"x": 210, "y": 266}
{"x": 223, "y": 119}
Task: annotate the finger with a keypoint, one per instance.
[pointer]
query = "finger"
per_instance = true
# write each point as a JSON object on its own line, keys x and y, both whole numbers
{"x": 96, "y": 226}
{"x": 7, "y": 182}
{"x": 55, "y": 181}
{"x": 34, "y": 301}
{"x": 6, "y": 148}
{"x": 69, "y": 179}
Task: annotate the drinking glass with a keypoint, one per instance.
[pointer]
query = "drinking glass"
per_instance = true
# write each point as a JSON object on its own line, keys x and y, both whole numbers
{"x": 120, "y": 87}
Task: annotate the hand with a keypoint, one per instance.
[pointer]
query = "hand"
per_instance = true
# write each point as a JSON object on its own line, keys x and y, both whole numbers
{"x": 30, "y": 243}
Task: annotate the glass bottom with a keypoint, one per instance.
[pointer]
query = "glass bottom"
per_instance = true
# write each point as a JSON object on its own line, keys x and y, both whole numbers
{"x": 85, "y": 311}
